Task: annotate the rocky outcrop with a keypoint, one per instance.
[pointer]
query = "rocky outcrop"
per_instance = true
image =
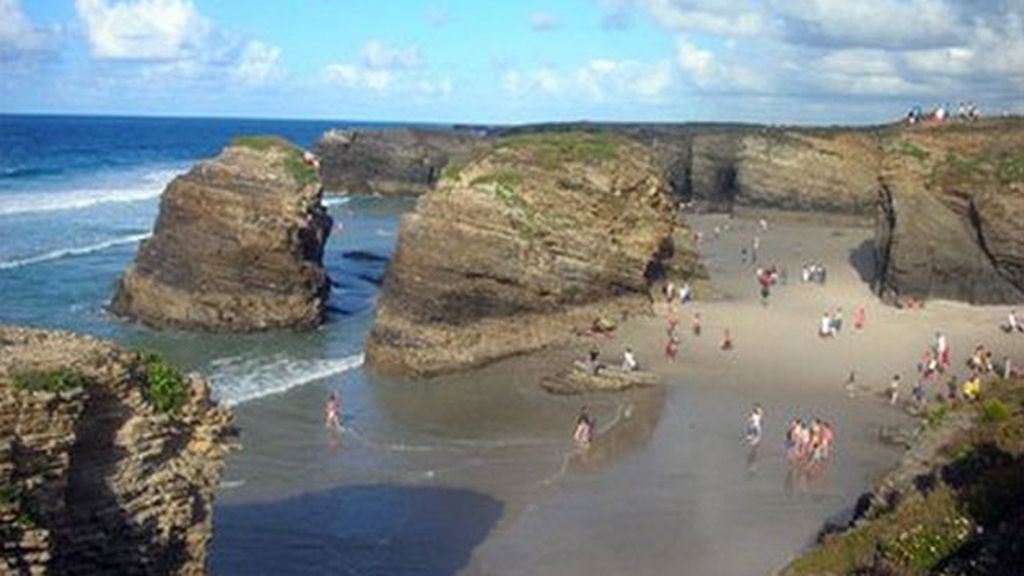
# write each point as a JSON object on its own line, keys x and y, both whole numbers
{"x": 237, "y": 247}
{"x": 391, "y": 162}
{"x": 522, "y": 247}
{"x": 951, "y": 214}
{"x": 101, "y": 472}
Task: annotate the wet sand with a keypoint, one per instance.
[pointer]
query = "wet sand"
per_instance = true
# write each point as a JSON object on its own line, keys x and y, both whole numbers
{"x": 476, "y": 474}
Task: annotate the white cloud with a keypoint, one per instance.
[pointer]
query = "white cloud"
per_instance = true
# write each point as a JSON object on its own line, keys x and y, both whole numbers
{"x": 598, "y": 80}
{"x": 868, "y": 23}
{"x": 378, "y": 56}
{"x": 384, "y": 69}
{"x": 144, "y": 29}
{"x": 259, "y": 64}
{"x": 17, "y": 33}
{"x": 706, "y": 71}
{"x": 722, "y": 17}
{"x": 543, "y": 21}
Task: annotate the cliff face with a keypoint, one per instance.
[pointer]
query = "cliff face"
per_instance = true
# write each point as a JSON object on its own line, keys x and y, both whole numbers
{"x": 237, "y": 247}
{"x": 951, "y": 214}
{"x": 512, "y": 252}
{"x": 94, "y": 479}
{"x": 390, "y": 161}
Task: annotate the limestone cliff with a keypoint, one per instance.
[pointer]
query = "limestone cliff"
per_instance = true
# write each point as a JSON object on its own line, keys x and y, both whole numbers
{"x": 237, "y": 247}
{"x": 951, "y": 213}
{"x": 108, "y": 459}
{"x": 514, "y": 251}
{"x": 390, "y": 162}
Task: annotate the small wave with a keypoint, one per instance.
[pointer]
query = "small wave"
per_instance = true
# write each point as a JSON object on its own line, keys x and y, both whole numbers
{"x": 238, "y": 380}
{"x": 18, "y": 173}
{"x": 68, "y": 252}
{"x": 337, "y": 200}
{"x": 224, "y": 484}
{"x": 152, "y": 186}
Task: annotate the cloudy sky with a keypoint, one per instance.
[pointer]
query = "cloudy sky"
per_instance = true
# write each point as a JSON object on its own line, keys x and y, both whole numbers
{"x": 800, "y": 61}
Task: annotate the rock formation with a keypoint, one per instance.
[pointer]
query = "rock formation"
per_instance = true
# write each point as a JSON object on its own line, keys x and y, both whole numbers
{"x": 390, "y": 161}
{"x": 108, "y": 459}
{"x": 237, "y": 247}
{"x": 514, "y": 251}
{"x": 951, "y": 214}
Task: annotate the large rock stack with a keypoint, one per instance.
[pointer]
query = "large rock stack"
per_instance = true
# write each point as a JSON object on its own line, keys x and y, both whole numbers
{"x": 519, "y": 248}
{"x": 238, "y": 246}
{"x": 94, "y": 478}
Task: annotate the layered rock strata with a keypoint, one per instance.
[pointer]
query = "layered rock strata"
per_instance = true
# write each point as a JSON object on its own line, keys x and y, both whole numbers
{"x": 520, "y": 248}
{"x": 237, "y": 247}
{"x": 951, "y": 214}
{"x": 94, "y": 479}
{"x": 391, "y": 162}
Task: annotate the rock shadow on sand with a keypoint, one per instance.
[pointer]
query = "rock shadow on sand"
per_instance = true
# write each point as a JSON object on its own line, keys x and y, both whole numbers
{"x": 863, "y": 260}
{"x": 367, "y": 529}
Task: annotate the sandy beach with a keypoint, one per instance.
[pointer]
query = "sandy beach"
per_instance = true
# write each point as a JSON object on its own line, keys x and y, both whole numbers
{"x": 482, "y": 473}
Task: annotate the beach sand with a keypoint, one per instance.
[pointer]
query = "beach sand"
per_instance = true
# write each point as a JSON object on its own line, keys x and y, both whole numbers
{"x": 476, "y": 473}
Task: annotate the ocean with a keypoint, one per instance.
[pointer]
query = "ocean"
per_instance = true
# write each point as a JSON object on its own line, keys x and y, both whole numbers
{"x": 77, "y": 194}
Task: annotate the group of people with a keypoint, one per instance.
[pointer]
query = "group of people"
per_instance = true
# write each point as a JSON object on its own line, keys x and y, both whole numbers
{"x": 670, "y": 292}
{"x": 813, "y": 272}
{"x": 808, "y": 443}
{"x": 965, "y": 111}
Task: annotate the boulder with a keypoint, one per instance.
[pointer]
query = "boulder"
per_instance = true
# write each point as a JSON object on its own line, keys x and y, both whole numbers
{"x": 237, "y": 247}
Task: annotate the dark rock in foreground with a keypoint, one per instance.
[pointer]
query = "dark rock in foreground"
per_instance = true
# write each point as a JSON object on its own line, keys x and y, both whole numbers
{"x": 100, "y": 472}
{"x": 237, "y": 247}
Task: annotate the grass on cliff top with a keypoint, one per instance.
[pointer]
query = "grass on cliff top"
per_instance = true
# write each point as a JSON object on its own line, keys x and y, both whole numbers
{"x": 301, "y": 172}
{"x": 52, "y": 381}
{"x": 165, "y": 386}
{"x": 973, "y": 502}
{"x": 553, "y": 149}
{"x": 1005, "y": 167}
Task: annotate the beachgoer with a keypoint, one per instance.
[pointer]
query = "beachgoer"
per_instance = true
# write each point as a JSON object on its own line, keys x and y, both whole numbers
{"x": 1007, "y": 367}
{"x": 763, "y": 223}
{"x": 972, "y": 388}
{"x": 1013, "y": 323}
{"x": 670, "y": 329}
{"x": 825, "y": 329}
{"x": 827, "y": 437}
{"x": 629, "y": 361}
{"x": 670, "y": 292}
{"x": 894, "y": 389}
{"x": 837, "y": 320}
{"x": 685, "y": 294}
{"x": 583, "y": 434}
{"x": 755, "y": 245}
{"x": 754, "y": 422}
{"x": 593, "y": 362}
{"x": 858, "y": 318}
{"x": 918, "y": 392}
{"x": 332, "y": 411}
{"x": 696, "y": 323}
{"x": 850, "y": 383}
{"x": 671, "y": 348}
{"x": 726, "y": 341}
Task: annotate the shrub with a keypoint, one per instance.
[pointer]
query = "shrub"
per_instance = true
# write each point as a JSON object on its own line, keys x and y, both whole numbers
{"x": 165, "y": 385}
{"x": 261, "y": 142}
{"x": 49, "y": 380}
{"x": 995, "y": 410}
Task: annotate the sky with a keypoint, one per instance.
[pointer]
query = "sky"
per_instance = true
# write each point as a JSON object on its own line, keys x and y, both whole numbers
{"x": 498, "y": 61}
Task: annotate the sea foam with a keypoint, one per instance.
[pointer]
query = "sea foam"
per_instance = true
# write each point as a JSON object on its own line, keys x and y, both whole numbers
{"x": 151, "y": 186}
{"x": 241, "y": 379}
{"x": 69, "y": 252}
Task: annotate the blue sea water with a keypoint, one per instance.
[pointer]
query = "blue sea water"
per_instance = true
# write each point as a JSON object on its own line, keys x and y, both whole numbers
{"x": 77, "y": 194}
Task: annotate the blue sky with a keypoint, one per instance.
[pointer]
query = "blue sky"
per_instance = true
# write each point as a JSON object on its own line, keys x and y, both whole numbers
{"x": 790, "y": 61}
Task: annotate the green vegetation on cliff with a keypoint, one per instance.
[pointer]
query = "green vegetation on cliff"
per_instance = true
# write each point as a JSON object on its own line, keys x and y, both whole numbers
{"x": 550, "y": 150}
{"x": 293, "y": 164}
{"x": 52, "y": 381}
{"x": 968, "y": 511}
{"x": 166, "y": 388}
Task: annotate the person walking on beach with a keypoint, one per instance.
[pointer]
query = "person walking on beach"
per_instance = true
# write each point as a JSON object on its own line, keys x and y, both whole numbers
{"x": 685, "y": 294}
{"x": 894, "y": 389}
{"x": 837, "y": 320}
{"x": 942, "y": 350}
{"x": 755, "y": 245}
{"x": 332, "y": 412}
{"x": 754, "y": 425}
{"x": 696, "y": 323}
{"x": 825, "y": 328}
{"x": 726, "y": 341}
{"x": 672, "y": 348}
{"x": 583, "y": 434}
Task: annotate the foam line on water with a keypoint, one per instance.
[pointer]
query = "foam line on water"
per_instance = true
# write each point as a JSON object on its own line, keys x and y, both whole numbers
{"x": 336, "y": 200}
{"x": 69, "y": 252}
{"x": 153, "y": 184}
{"x": 237, "y": 380}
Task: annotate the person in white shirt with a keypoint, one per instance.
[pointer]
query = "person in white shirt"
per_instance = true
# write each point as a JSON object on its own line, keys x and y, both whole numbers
{"x": 628, "y": 361}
